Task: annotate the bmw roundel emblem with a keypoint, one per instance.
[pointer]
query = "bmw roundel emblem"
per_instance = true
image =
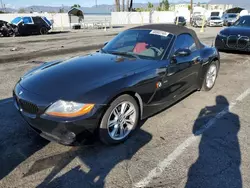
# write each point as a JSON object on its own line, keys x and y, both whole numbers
{"x": 158, "y": 84}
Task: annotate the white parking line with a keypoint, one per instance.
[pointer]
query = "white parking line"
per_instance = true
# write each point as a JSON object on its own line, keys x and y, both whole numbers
{"x": 157, "y": 171}
{"x": 5, "y": 101}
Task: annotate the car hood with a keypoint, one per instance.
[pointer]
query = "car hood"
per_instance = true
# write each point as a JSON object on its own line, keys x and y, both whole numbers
{"x": 76, "y": 76}
{"x": 234, "y": 30}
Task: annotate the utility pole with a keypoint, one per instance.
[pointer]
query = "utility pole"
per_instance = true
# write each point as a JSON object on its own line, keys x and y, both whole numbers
{"x": 95, "y": 3}
{"x": 191, "y": 9}
{"x": 2, "y": 4}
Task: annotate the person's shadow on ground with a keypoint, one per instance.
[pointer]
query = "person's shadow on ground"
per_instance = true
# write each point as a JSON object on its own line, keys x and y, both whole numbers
{"x": 218, "y": 164}
{"x": 99, "y": 160}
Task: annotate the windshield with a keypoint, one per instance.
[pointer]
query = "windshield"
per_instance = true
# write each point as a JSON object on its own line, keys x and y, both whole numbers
{"x": 47, "y": 21}
{"x": 198, "y": 18}
{"x": 181, "y": 19}
{"x": 215, "y": 13}
{"x": 243, "y": 22}
{"x": 215, "y": 18}
{"x": 232, "y": 16}
{"x": 145, "y": 44}
{"x": 16, "y": 20}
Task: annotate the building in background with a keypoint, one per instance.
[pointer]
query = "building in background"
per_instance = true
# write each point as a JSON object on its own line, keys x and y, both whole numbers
{"x": 222, "y": 7}
{"x": 174, "y": 7}
{"x": 206, "y": 6}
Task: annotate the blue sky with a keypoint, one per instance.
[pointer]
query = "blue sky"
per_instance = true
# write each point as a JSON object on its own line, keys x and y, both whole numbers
{"x": 85, "y": 3}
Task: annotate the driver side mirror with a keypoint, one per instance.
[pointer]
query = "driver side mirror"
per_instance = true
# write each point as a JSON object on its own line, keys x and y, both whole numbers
{"x": 182, "y": 52}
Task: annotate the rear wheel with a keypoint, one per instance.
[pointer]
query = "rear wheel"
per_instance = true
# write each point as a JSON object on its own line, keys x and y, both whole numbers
{"x": 119, "y": 121}
{"x": 43, "y": 31}
{"x": 210, "y": 77}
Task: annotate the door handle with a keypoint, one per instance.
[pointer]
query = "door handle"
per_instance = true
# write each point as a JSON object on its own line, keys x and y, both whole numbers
{"x": 172, "y": 70}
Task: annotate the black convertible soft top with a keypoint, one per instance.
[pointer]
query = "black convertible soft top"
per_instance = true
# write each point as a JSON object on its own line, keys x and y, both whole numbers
{"x": 173, "y": 29}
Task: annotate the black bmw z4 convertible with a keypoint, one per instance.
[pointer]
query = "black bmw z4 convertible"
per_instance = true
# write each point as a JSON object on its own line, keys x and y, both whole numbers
{"x": 236, "y": 37}
{"x": 140, "y": 72}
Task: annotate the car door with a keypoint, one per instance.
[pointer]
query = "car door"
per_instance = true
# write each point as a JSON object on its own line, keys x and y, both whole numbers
{"x": 38, "y": 24}
{"x": 182, "y": 73}
{"x": 28, "y": 25}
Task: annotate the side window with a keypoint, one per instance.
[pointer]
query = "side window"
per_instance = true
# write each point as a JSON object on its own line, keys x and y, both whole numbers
{"x": 27, "y": 20}
{"x": 185, "y": 41}
{"x": 37, "y": 20}
{"x": 179, "y": 42}
{"x": 190, "y": 43}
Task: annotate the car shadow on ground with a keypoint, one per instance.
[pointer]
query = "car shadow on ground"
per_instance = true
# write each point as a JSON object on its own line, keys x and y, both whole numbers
{"x": 235, "y": 52}
{"x": 17, "y": 141}
{"x": 219, "y": 160}
{"x": 98, "y": 158}
{"x": 57, "y": 32}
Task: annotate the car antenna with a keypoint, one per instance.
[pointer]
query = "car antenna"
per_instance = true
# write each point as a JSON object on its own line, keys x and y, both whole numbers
{"x": 212, "y": 44}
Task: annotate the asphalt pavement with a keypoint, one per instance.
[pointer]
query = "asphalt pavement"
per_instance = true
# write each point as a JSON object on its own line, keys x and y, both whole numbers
{"x": 201, "y": 141}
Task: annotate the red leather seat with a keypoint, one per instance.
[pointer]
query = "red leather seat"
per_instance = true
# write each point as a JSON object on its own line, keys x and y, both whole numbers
{"x": 139, "y": 47}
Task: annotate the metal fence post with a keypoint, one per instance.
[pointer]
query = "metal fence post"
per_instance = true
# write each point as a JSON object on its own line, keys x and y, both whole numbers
{"x": 203, "y": 24}
{"x": 105, "y": 26}
{"x": 61, "y": 23}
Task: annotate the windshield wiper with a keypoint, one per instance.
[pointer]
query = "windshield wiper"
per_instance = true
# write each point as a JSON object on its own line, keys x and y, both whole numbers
{"x": 125, "y": 54}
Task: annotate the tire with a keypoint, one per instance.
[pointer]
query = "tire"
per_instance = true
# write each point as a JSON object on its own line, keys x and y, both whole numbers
{"x": 106, "y": 131}
{"x": 43, "y": 31}
{"x": 207, "y": 83}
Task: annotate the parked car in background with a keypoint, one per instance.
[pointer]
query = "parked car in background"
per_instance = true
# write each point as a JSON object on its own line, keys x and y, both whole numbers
{"x": 229, "y": 18}
{"x": 197, "y": 21}
{"x": 236, "y": 37}
{"x": 215, "y": 21}
{"x": 29, "y": 25}
{"x": 140, "y": 72}
{"x": 181, "y": 21}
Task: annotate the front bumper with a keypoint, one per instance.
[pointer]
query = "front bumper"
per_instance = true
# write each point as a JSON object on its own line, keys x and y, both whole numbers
{"x": 229, "y": 23}
{"x": 216, "y": 24}
{"x": 223, "y": 43}
{"x": 65, "y": 131}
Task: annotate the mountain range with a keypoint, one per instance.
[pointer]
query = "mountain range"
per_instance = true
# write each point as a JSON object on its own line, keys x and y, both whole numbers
{"x": 106, "y": 9}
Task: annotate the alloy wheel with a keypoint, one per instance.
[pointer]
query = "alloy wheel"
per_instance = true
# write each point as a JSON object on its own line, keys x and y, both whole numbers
{"x": 121, "y": 120}
{"x": 211, "y": 76}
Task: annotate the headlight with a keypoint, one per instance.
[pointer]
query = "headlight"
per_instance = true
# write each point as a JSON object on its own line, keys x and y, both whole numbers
{"x": 222, "y": 35}
{"x": 68, "y": 109}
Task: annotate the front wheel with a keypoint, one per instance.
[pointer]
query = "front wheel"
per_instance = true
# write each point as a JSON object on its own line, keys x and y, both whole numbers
{"x": 119, "y": 120}
{"x": 210, "y": 77}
